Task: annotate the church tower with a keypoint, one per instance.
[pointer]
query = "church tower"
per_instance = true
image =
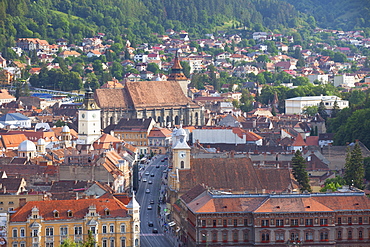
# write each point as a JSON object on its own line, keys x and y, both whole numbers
{"x": 178, "y": 75}
{"x": 89, "y": 123}
{"x": 180, "y": 157}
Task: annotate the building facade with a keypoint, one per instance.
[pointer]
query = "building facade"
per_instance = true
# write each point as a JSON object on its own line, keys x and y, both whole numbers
{"x": 334, "y": 219}
{"x": 50, "y": 223}
{"x": 298, "y": 104}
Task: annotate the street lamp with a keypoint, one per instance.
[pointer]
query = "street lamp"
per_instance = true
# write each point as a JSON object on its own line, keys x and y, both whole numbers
{"x": 205, "y": 236}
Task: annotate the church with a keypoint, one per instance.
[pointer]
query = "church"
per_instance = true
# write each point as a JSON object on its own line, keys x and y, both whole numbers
{"x": 164, "y": 101}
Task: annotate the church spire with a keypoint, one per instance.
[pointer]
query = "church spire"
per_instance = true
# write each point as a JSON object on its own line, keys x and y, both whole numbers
{"x": 176, "y": 71}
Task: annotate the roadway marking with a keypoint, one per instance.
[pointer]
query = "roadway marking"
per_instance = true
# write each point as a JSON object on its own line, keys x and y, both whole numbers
{"x": 151, "y": 234}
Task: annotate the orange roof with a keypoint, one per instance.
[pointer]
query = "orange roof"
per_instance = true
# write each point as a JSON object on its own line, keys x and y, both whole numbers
{"x": 79, "y": 209}
{"x": 104, "y": 141}
{"x": 292, "y": 204}
{"x": 4, "y": 94}
{"x": 13, "y": 141}
{"x": 159, "y": 132}
{"x": 299, "y": 141}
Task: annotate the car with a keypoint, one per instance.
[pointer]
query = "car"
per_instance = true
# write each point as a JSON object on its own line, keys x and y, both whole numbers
{"x": 150, "y": 223}
{"x": 155, "y": 230}
{"x": 152, "y": 175}
{"x": 147, "y": 191}
{"x": 147, "y": 173}
{"x": 162, "y": 160}
{"x": 150, "y": 207}
{"x": 166, "y": 158}
{"x": 157, "y": 166}
{"x": 151, "y": 201}
{"x": 150, "y": 182}
{"x": 144, "y": 180}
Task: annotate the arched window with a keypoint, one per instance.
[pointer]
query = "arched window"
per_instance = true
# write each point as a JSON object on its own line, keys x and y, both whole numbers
{"x": 265, "y": 237}
{"x": 182, "y": 165}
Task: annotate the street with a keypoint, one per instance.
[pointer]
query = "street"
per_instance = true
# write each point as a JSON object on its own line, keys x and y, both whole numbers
{"x": 148, "y": 194}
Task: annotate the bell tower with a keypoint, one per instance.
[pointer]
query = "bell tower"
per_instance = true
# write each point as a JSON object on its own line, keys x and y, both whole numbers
{"x": 89, "y": 123}
{"x": 178, "y": 75}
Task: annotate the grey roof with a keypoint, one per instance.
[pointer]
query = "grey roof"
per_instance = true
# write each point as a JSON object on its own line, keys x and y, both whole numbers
{"x": 13, "y": 117}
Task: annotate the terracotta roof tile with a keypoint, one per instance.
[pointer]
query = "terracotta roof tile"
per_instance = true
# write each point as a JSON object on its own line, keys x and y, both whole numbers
{"x": 79, "y": 209}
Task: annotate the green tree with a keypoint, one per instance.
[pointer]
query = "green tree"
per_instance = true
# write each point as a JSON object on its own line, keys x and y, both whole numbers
{"x": 246, "y": 101}
{"x": 367, "y": 168}
{"x": 322, "y": 110}
{"x": 153, "y": 67}
{"x": 335, "y": 110}
{"x": 354, "y": 167}
{"x": 299, "y": 171}
{"x": 311, "y": 110}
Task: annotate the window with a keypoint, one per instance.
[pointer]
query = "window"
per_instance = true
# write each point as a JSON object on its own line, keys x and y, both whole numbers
{"x": 49, "y": 231}
{"x": 214, "y": 236}
{"x": 22, "y": 233}
{"x": 104, "y": 243}
{"x": 64, "y": 231}
{"x": 339, "y": 234}
{"x": 104, "y": 229}
{"x": 78, "y": 230}
{"x": 245, "y": 222}
{"x": 349, "y": 234}
{"x": 203, "y": 223}
{"x": 123, "y": 228}
{"x": 294, "y": 222}
{"x": 350, "y": 220}
{"x": 49, "y": 244}
{"x": 224, "y": 236}
{"x": 339, "y": 220}
{"x": 112, "y": 242}
{"x": 279, "y": 236}
{"x": 182, "y": 164}
{"x": 264, "y": 222}
{"x": 214, "y": 222}
{"x": 225, "y": 222}
{"x": 309, "y": 222}
{"x": 23, "y": 244}
{"x": 279, "y": 222}
{"x": 309, "y": 236}
{"x": 111, "y": 228}
{"x": 56, "y": 214}
{"x": 35, "y": 233}
{"x": 235, "y": 222}
{"x": 93, "y": 230}
{"x": 360, "y": 220}
{"x": 15, "y": 233}
{"x": 265, "y": 237}
{"x": 235, "y": 236}
{"x": 11, "y": 203}
{"x": 246, "y": 236}
{"x": 294, "y": 236}
{"x": 107, "y": 211}
{"x": 15, "y": 244}
{"x": 323, "y": 222}
{"x": 69, "y": 213}
{"x": 324, "y": 236}
{"x": 123, "y": 242}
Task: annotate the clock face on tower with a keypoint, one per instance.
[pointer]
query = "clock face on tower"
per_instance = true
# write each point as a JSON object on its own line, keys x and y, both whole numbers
{"x": 94, "y": 116}
{"x": 182, "y": 155}
{"x": 83, "y": 115}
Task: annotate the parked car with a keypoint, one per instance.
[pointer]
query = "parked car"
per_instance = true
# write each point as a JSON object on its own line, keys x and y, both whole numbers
{"x": 150, "y": 182}
{"x": 150, "y": 223}
{"x": 152, "y": 175}
{"x": 150, "y": 207}
{"x": 155, "y": 230}
{"x": 147, "y": 191}
{"x": 144, "y": 180}
{"x": 147, "y": 173}
{"x": 151, "y": 201}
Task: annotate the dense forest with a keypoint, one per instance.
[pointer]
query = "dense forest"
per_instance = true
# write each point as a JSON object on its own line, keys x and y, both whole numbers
{"x": 137, "y": 20}
{"x": 336, "y": 14}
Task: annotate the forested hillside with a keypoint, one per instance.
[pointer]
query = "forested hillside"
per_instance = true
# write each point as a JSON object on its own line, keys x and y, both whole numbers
{"x": 336, "y": 14}
{"x": 136, "y": 19}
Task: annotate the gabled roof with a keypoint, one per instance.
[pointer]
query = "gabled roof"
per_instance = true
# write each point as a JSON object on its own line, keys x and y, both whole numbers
{"x": 134, "y": 124}
{"x": 79, "y": 209}
{"x": 299, "y": 142}
{"x": 13, "y": 117}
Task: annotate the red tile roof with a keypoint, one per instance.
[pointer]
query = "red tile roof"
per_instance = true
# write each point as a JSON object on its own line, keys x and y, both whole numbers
{"x": 79, "y": 209}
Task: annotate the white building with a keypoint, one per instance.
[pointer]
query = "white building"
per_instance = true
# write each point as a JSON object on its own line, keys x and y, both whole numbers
{"x": 324, "y": 79}
{"x": 15, "y": 120}
{"x": 89, "y": 125}
{"x": 344, "y": 80}
{"x": 298, "y": 104}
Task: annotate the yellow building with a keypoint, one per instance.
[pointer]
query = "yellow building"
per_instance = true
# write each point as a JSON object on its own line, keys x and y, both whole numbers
{"x": 49, "y": 223}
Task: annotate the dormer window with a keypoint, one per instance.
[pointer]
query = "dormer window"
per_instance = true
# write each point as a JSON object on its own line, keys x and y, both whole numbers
{"x": 69, "y": 213}
{"x": 107, "y": 211}
{"x": 56, "y": 214}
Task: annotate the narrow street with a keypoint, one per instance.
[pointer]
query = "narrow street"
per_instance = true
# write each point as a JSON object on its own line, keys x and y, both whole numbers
{"x": 148, "y": 196}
